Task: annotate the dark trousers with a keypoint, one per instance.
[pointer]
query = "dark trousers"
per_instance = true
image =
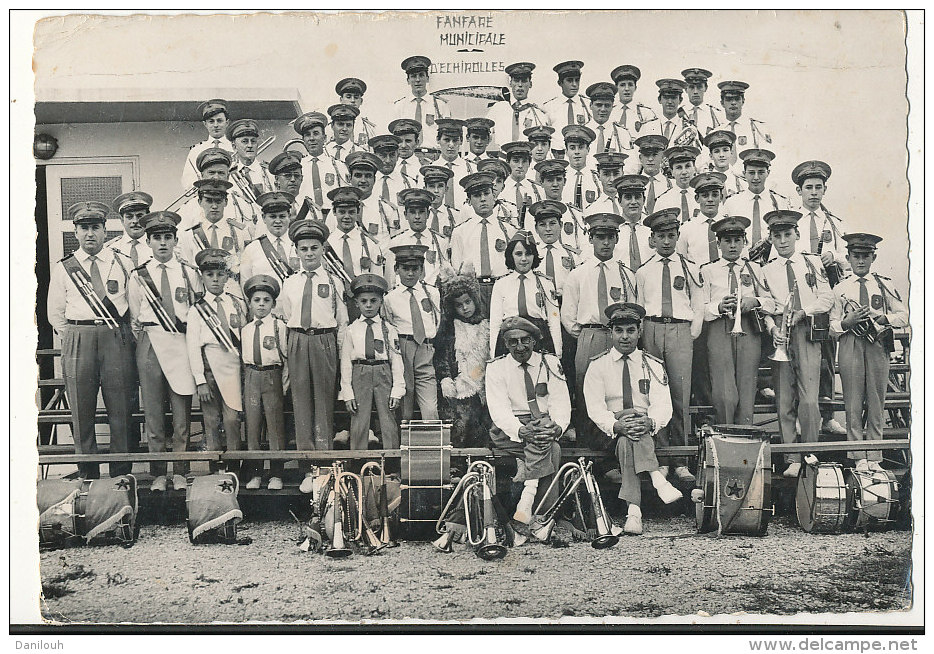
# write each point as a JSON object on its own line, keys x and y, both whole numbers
{"x": 421, "y": 386}
{"x": 796, "y": 387}
{"x": 733, "y": 379}
{"x": 828, "y": 355}
{"x": 634, "y": 459}
{"x": 672, "y": 343}
{"x": 216, "y": 412}
{"x": 94, "y": 358}
{"x": 701, "y": 382}
{"x": 313, "y": 374}
{"x": 371, "y": 385}
{"x": 864, "y": 371}
{"x": 590, "y": 342}
{"x": 263, "y": 399}
{"x": 156, "y": 390}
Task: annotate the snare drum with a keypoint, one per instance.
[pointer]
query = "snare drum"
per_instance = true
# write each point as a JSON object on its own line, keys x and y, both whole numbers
{"x": 426, "y": 475}
{"x": 213, "y": 509}
{"x": 103, "y": 509}
{"x": 872, "y": 499}
{"x": 821, "y": 498}
{"x": 734, "y": 473}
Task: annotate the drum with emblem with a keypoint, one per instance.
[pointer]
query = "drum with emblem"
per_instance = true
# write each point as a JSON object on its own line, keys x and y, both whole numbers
{"x": 213, "y": 509}
{"x": 735, "y": 481}
{"x": 426, "y": 476}
{"x": 100, "y": 510}
{"x": 821, "y": 498}
{"x": 872, "y": 499}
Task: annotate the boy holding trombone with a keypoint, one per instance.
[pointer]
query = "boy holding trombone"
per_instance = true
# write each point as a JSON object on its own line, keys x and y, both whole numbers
{"x": 734, "y": 339}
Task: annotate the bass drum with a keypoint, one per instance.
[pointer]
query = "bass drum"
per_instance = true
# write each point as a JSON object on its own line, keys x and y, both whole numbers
{"x": 734, "y": 476}
{"x": 821, "y": 499}
{"x": 872, "y": 499}
{"x": 426, "y": 476}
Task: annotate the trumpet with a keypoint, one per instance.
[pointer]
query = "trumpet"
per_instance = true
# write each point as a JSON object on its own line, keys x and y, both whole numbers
{"x": 358, "y": 530}
{"x": 738, "y": 314}
{"x": 864, "y": 328}
{"x": 781, "y": 352}
{"x": 570, "y": 476}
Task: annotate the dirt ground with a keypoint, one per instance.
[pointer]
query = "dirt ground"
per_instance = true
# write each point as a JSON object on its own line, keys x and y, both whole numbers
{"x": 668, "y": 570}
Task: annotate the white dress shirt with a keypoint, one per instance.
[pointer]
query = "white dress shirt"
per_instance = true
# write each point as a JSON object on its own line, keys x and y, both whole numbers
{"x": 510, "y": 400}
{"x": 254, "y": 261}
{"x": 399, "y": 309}
{"x": 557, "y": 110}
{"x": 563, "y": 261}
{"x": 581, "y": 306}
{"x": 672, "y": 198}
{"x": 743, "y": 204}
{"x": 696, "y": 239}
{"x": 541, "y": 301}
{"x": 466, "y": 243}
{"x": 190, "y": 170}
{"x": 365, "y": 255}
{"x": 123, "y": 247}
{"x": 589, "y": 186}
{"x": 503, "y": 116}
{"x": 386, "y": 348}
{"x": 331, "y": 174}
{"x": 65, "y": 301}
{"x": 274, "y": 341}
{"x": 327, "y": 307}
{"x": 432, "y": 108}
{"x": 717, "y": 285}
{"x": 603, "y": 389}
{"x": 183, "y": 281}
{"x": 883, "y": 300}
{"x": 813, "y": 287}
{"x": 687, "y": 298}
{"x": 436, "y": 255}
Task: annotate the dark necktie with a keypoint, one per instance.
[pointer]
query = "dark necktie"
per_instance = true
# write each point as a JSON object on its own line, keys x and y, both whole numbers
{"x": 484, "y": 249}
{"x": 385, "y": 192}
{"x": 756, "y": 220}
{"x": 316, "y": 181}
{"x": 257, "y": 352}
{"x": 650, "y": 197}
{"x": 579, "y": 190}
{"x": 449, "y": 190}
{"x": 405, "y": 176}
{"x": 523, "y": 305}
{"x": 601, "y": 141}
{"x": 418, "y": 109}
{"x": 668, "y": 126}
{"x": 134, "y": 255}
{"x": 627, "y": 385}
{"x": 685, "y": 212}
{"x": 217, "y": 143}
{"x": 815, "y": 237}
{"x": 515, "y": 121}
{"x": 337, "y": 152}
{"x": 624, "y": 116}
{"x": 550, "y": 262}
{"x": 570, "y": 111}
{"x": 418, "y": 325}
{"x": 635, "y": 258}
{"x": 307, "y": 297}
{"x": 434, "y": 221}
{"x": 530, "y": 392}
{"x": 418, "y": 238}
{"x": 792, "y": 286}
{"x": 711, "y": 241}
{"x": 213, "y": 239}
{"x": 694, "y": 116}
{"x": 347, "y": 256}
{"x": 615, "y": 206}
{"x": 602, "y": 292}
{"x": 667, "y": 310}
{"x": 863, "y": 292}
{"x": 281, "y": 250}
{"x": 733, "y": 126}
{"x": 246, "y": 175}
{"x": 166, "y": 291}
{"x": 222, "y": 314}
{"x": 519, "y": 199}
{"x": 96, "y": 280}
{"x": 733, "y": 283}
{"x": 369, "y": 345}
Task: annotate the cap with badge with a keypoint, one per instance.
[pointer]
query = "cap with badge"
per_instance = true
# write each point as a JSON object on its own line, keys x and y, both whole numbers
{"x": 568, "y": 69}
{"x": 415, "y": 197}
{"x": 523, "y": 236}
{"x": 494, "y": 167}
{"x": 669, "y": 86}
{"x": 521, "y": 149}
{"x": 808, "y": 169}
{"x": 861, "y": 241}
{"x": 539, "y": 133}
{"x": 362, "y": 159}
{"x": 681, "y": 153}
{"x": 350, "y": 85}
{"x": 345, "y": 196}
{"x": 551, "y": 167}
{"x": 520, "y": 69}
{"x": 548, "y": 209}
{"x": 346, "y": 112}
{"x": 732, "y": 87}
{"x": 579, "y": 133}
{"x": 83, "y": 213}
{"x": 626, "y": 71}
{"x": 436, "y": 173}
{"x": 651, "y": 143}
{"x": 631, "y": 184}
{"x": 312, "y": 119}
{"x": 132, "y": 200}
{"x": 696, "y": 75}
{"x": 285, "y": 162}
{"x": 757, "y": 156}
{"x": 212, "y": 108}
{"x": 415, "y": 64}
{"x": 212, "y": 187}
{"x": 610, "y": 160}
{"x": 451, "y": 126}
{"x": 601, "y": 91}
{"x": 731, "y": 225}
{"x": 719, "y": 138}
{"x": 409, "y": 252}
{"x": 212, "y": 156}
{"x": 161, "y": 221}
{"x": 368, "y": 282}
{"x": 384, "y": 142}
{"x": 707, "y": 180}
{"x": 313, "y": 229}
{"x": 511, "y": 323}
{"x": 663, "y": 219}
{"x": 212, "y": 259}
{"x": 624, "y": 312}
{"x": 275, "y": 200}
{"x": 476, "y": 181}
{"x": 266, "y": 283}
{"x": 782, "y": 219}
{"x": 405, "y": 126}
{"x": 481, "y": 125}
{"x": 603, "y": 222}
{"x": 242, "y": 127}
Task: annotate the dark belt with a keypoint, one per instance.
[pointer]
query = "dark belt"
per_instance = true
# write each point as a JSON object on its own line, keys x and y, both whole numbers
{"x": 370, "y": 362}
{"x": 674, "y": 321}
{"x": 313, "y": 331}
{"x": 274, "y": 366}
{"x": 489, "y": 279}
{"x": 592, "y": 325}
{"x": 99, "y": 322}
{"x": 409, "y": 337}
{"x": 182, "y": 328}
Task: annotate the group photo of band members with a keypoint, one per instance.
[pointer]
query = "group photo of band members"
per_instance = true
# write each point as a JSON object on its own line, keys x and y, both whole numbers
{"x": 577, "y": 272}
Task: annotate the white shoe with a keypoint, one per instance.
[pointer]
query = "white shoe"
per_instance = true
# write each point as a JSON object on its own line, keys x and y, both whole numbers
{"x": 179, "y": 482}
{"x": 833, "y": 427}
{"x": 254, "y": 483}
{"x": 614, "y": 476}
{"x": 308, "y": 483}
{"x": 668, "y": 493}
{"x": 876, "y": 466}
{"x": 862, "y": 465}
{"x": 371, "y": 439}
{"x": 792, "y": 470}
{"x": 274, "y": 483}
{"x": 633, "y": 525}
{"x": 342, "y": 437}
{"x": 767, "y": 393}
{"x": 663, "y": 470}
{"x": 159, "y": 484}
{"x": 683, "y": 474}
{"x": 811, "y": 460}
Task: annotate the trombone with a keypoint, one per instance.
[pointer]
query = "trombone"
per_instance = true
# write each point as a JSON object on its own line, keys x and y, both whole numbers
{"x": 781, "y": 351}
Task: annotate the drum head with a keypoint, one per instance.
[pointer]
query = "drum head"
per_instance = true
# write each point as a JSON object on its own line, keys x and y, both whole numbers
{"x": 704, "y": 510}
{"x": 872, "y": 499}
{"x": 805, "y": 499}
{"x": 745, "y": 431}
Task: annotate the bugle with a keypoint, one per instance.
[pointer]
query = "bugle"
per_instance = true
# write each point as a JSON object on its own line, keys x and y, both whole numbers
{"x": 489, "y": 549}
{"x": 338, "y": 549}
{"x": 381, "y": 500}
{"x": 445, "y": 525}
{"x": 358, "y": 529}
{"x": 781, "y": 351}
{"x": 607, "y": 536}
{"x": 865, "y": 328}
{"x": 738, "y": 313}
{"x": 570, "y": 475}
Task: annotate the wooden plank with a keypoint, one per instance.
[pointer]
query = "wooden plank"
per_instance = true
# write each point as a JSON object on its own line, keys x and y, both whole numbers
{"x": 134, "y": 457}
